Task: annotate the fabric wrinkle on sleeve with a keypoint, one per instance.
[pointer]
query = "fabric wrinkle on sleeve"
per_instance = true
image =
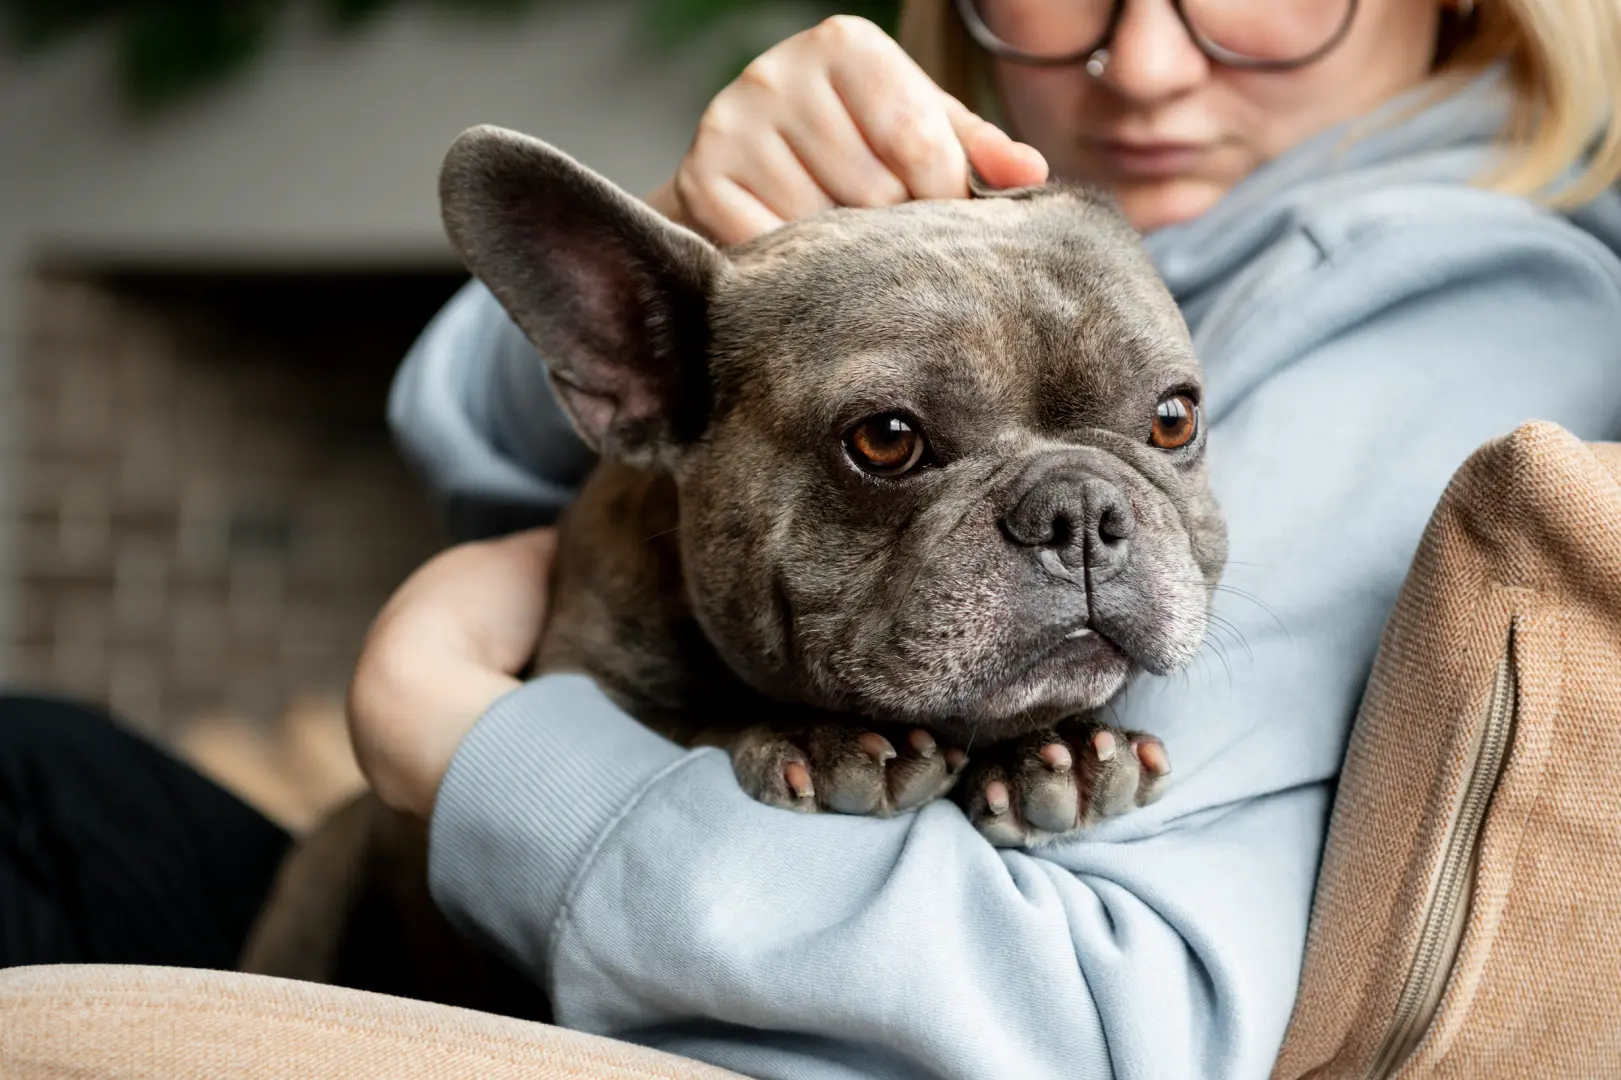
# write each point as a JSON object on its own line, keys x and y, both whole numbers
{"x": 573, "y": 763}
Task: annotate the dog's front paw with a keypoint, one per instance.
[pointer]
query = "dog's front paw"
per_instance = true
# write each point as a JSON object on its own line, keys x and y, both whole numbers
{"x": 844, "y": 770}
{"x": 1036, "y": 789}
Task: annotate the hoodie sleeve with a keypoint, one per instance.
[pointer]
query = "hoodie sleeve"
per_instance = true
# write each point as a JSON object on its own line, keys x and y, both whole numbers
{"x": 471, "y": 408}
{"x": 656, "y": 902}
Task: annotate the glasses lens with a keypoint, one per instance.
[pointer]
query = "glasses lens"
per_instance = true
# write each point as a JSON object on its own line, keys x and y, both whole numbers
{"x": 1046, "y": 29}
{"x": 1274, "y": 31}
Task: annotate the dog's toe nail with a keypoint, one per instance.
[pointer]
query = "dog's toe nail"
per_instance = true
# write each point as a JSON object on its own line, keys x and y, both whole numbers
{"x": 956, "y": 761}
{"x": 1103, "y": 746}
{"x": 922, "y": 742}
{"x": 799, "y": 781}
{"x": 1057, "y": 757}
{"x": 877, "y": 747}
{"x": 996, "y": 797}
{"x": 1153, "y": 758}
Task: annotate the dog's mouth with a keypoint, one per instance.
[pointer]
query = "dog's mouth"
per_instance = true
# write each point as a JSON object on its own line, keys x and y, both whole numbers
{"x": 1081, "y": 648}
{"x": 1064, "y": 672}
{"x": 1082, "y": 643}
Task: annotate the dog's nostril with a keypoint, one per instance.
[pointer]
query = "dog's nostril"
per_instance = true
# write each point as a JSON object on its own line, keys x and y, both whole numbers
{"x": 1063, "y": 530}
{"x": 1080, "y": 517}
{"x": 1112, "y": 526}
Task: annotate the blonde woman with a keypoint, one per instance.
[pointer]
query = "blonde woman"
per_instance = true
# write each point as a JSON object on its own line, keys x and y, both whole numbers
{"x": 1389, "y": 225}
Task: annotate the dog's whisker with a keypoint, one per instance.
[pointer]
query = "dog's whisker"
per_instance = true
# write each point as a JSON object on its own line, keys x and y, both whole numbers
{"x": 1217, "y": 625}
{"x": 1231, "y": 590}
{"x": 1202, "y": 663}
{"x": 1215, "y": 650}
{"x": 1241, "y": 594}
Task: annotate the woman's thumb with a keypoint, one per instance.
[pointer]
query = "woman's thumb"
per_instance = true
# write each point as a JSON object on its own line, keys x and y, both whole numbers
{"x": 992, "y": 153}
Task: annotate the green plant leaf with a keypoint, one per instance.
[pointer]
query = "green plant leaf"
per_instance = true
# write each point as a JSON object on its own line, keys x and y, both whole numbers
{"x": 168, "y": 51}
{"x": 886, "y": 13}
{"x": 675, "y": 23}
{"x": 36, "y": 25}
{"x": 349, "y": 14}
{"x": 484, "y": 8}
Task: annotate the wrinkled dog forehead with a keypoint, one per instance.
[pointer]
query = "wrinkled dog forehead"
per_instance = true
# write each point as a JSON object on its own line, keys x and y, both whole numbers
{"x": 1045, "y": 295}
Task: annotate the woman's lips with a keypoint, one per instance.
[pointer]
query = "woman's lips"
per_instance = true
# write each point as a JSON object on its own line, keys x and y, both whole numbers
{"x": 1148, "y": 160}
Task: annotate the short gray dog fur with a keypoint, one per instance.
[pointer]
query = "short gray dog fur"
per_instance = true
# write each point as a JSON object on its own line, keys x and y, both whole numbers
{"x": 733, "y": 574}
{"x": 879, "y": 509}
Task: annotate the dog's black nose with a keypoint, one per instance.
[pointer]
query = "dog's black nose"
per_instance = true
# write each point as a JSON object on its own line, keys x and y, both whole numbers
{"x": 1083, "y": 519}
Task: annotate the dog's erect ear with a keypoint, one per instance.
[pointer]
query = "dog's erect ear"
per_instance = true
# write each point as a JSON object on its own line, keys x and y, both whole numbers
{"x": 614, "y": 296}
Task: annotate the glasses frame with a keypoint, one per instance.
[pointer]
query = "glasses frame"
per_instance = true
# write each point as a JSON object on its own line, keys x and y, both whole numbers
{"x": 985, "y": 38}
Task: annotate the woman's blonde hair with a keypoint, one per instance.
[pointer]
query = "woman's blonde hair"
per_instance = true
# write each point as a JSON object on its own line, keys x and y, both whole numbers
{"x": 1564, "y": 57}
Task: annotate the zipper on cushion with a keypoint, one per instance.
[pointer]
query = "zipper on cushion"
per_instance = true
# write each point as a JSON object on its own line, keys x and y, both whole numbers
{"x": 1448, "y": 908}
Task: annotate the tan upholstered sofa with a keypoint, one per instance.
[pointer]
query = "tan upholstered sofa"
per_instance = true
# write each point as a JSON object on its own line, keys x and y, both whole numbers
{"x": 112, "y": 1022}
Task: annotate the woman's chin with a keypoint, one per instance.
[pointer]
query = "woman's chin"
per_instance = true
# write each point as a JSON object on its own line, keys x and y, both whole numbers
{"x": 1151, "y": 205}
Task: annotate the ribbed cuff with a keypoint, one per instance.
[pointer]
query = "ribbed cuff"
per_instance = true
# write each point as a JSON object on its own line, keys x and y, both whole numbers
{"x": 531, "y": 791}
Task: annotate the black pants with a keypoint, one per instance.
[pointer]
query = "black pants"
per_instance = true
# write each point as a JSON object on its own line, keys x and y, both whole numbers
{"x": 113, "y": 852}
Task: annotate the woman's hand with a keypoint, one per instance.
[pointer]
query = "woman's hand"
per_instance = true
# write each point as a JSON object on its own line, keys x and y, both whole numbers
{"x": 837, "y": 115}
{"x": 448, "y": 643}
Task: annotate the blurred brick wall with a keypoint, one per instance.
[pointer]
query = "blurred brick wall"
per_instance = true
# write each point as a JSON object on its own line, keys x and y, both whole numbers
{"x": 205, "y": 508}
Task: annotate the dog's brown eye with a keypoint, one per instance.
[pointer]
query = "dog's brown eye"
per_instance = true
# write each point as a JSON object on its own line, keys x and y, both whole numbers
{"x": 1176, "y": 422}
{"x": 885, "y": 445}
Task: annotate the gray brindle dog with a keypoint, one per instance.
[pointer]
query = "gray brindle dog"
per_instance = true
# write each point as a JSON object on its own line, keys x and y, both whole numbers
{"x": 889, "y": 501}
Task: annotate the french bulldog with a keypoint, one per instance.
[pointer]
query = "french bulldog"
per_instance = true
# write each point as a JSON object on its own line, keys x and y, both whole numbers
{"x": 889, "y": 501}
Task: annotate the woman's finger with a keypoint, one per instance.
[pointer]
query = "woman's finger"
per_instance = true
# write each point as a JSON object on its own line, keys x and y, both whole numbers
{"x": 779, "y": 179}
{"x": 721, "y": 208}
{"x": 822, "y": 133}
{"x": 900, "y": 113}
{"x": 996, "y": 156}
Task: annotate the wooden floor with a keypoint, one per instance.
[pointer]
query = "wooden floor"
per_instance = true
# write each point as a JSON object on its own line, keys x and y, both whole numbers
{"x": 293, "y": 770}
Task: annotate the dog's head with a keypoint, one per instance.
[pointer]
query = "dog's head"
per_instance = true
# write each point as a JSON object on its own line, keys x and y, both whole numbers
{"x": 939, "y": 463}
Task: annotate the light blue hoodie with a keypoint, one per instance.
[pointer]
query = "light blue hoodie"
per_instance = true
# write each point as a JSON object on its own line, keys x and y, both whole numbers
{"x": 1365, "y": 321}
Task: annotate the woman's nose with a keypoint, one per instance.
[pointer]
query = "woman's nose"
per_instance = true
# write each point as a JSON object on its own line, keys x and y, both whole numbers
{"x": 1151, "y": 56}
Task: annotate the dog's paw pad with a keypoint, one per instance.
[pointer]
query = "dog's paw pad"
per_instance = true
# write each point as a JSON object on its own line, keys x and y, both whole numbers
{"x": 1104, "y": 746}
{"x": 1057, "y": 757}
{"x": 877, "y": 747}
{"x": 1033, "y": 790}
{"x": 797, "y": 778}
{"x": 990, "y": 806}
{"x": 1155, "y": 766}
{"x": 1151, "y": 754}
{"x": 844, "y": 770}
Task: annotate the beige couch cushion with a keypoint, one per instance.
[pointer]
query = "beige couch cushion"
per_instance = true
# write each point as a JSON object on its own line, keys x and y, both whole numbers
{"x": 110, "y": 1022}
{"x": 1468, "y": 914}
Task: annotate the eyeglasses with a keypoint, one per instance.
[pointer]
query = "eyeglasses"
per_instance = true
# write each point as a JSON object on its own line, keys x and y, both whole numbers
{"x": 1264, "y": 35}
